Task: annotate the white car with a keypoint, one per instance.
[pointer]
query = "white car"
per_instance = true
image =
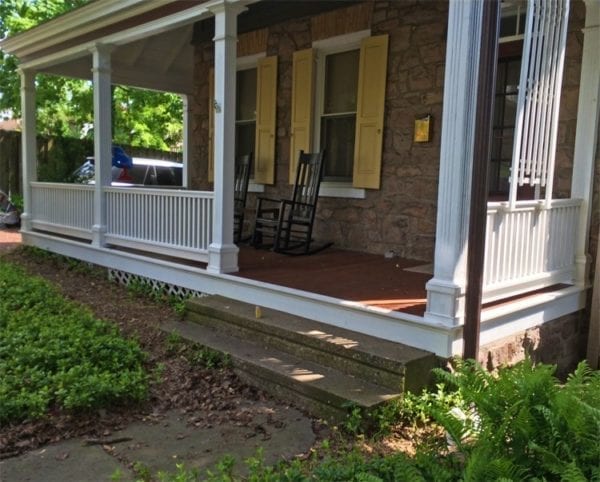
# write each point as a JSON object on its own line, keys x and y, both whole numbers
{"x": 145, "y": 172}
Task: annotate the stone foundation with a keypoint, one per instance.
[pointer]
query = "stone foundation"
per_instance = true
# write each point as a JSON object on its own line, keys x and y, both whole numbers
{"x": 559, "y": 342}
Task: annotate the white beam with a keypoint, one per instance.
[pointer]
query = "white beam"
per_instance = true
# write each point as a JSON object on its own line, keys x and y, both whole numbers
{"x": 222, "y": 253}
{"x": 102, "y": 138}
{"x": 445, "y": 291}
{"x": 28, "y": 143}
{"x": 586, "y": 135}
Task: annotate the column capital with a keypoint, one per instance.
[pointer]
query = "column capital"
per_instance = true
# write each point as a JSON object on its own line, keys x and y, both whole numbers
{"x": 27, "y": 81}
{"x": 221, "y": 6}
{"x": 101, "y": 57}
{"x": 102, "y": 49}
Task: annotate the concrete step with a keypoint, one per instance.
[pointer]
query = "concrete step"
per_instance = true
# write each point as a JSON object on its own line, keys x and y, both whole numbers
{"x": 394, "y": 365}
{"x": 322, "y": 390}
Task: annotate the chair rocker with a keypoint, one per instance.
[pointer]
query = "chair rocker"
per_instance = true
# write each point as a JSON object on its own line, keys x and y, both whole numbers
{"x": 288, "y": 223}
{"x": 243, "y": 165}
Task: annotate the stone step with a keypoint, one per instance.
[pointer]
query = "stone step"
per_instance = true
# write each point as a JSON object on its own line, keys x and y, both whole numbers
{"x": 321, "y": 390}
{"x": 393, "y": 365}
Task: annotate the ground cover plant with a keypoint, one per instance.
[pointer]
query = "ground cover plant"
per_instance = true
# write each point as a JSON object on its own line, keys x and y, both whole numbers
{"x": 181, "y": 376}
{"x": 54, "y": 354}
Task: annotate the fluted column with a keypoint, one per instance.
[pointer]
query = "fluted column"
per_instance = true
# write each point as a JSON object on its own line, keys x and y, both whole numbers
{"x": 28, "y": 144}
{"x": 445, "y": 291}
{"x": 586, "y": 136}
{"x": 101, "y": 75}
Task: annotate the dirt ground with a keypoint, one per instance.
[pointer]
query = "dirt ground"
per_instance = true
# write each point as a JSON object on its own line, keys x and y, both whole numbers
{"x": 211, "y": 396}
{"x": 205, "y": 397}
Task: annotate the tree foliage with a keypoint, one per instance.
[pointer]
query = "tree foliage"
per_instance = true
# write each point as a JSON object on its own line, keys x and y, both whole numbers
{"x": 65, "y": 105}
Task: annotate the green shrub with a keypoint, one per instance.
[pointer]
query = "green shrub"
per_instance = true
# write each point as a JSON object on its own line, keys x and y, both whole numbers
{"x": 523, "y": 424}
{"x": 54, "y": 353}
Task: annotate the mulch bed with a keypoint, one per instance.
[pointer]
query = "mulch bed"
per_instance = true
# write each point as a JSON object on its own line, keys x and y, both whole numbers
{"x": 207, "y": 396}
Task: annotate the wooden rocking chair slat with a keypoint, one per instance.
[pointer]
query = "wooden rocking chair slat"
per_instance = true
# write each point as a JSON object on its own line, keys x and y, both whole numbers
{"x": 289, "y": 222}
{"x": 243, "y": 165}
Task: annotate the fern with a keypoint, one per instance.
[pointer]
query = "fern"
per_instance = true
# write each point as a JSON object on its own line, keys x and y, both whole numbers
{"x": 524, "y": 424}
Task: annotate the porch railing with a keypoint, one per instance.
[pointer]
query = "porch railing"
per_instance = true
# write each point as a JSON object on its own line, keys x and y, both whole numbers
{"x": 66, "y": 209}
{"x": 164, "y": 221}
{"x": 529, "y": 247}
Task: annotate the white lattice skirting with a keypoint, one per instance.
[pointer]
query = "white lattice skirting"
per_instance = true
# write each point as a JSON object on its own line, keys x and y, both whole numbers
{"x": 128, "y": 279}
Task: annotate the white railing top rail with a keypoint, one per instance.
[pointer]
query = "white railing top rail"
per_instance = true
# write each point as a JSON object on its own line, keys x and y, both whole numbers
{"x": 532, "y": 205}
{"x": 62, "y": 185}
{"x": 159, "y": 192}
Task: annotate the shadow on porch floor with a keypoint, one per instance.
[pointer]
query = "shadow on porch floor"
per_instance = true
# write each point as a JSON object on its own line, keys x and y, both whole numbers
{"x": 364, "y": 278}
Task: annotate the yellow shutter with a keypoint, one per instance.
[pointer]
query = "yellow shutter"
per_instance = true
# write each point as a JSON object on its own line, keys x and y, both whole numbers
{"x": 369, "y": 115}
{"x": 211, "y": 125}
{"x": 266, "y": 104}
{"x": 302, "y": 106}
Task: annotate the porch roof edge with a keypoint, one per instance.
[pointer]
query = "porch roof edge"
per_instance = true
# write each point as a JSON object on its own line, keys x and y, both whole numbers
{"x": 72, "y": 24}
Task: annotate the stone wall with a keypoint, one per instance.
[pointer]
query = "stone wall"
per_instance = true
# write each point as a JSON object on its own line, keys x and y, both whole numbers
{"x": 560, "y": 342}
{"x": 401, "y": 215}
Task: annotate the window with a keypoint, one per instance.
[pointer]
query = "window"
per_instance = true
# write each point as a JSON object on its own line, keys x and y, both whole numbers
{"x": 338, "y": 114}
{"x": 508, "y": 74}
{"x": 338, "y": 105}
{"x": 256, "y": 95}
{"x": 507, "y": 83}
{"x": 245, "y": 116}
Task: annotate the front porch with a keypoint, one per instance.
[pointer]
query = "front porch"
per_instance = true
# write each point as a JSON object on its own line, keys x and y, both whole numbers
{"x": 536, "y": 258}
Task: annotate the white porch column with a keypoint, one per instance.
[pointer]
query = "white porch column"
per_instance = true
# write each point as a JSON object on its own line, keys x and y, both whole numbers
{"x": 586, "y": 135}
{"x": 222, "y": 253}
{"x": 28, "y": 143}
{"x": 102, "y": 138}
{"x": 445, "y": 291}
{"x": 185, "y": 175}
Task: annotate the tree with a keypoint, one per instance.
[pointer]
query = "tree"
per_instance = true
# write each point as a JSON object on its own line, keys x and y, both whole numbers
{"x": 64, "y": 105}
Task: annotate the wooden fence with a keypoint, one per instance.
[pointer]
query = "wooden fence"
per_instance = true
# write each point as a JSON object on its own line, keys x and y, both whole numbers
{"x": 57, "y": 158}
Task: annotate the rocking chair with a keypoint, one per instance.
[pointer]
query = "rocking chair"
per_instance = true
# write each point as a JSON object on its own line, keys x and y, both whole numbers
{"x": 289, "y": 222}
{"x": 243, "y": 166}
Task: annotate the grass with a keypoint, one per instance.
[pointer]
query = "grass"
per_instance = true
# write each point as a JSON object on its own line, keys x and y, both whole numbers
{"x": 54, "y": 354}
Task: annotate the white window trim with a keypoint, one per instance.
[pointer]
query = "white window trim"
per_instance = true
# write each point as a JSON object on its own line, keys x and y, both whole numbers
{"x": 245, "y": 63}
{"x": 332, "y": 45}
{"x": 341, "y": 189}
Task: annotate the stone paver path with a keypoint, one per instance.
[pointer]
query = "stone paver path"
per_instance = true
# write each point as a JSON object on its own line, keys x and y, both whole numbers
{"x": 9, "y": 239}
{"x": 282, "y": 432}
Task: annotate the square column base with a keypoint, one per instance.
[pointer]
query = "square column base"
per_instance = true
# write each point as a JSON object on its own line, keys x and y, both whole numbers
{"x": 445, "y": 302}
{"x": 222, "y": 258}
{"x": 98, "y": 235}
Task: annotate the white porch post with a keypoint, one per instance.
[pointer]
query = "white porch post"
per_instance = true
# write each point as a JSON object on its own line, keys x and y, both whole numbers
{"x": 586, "y": 135}
{"x": 445, "y": 291}
{"x": 102, "y": 138}
{"x": 28, "y": 143}
{"x": 185, "y": 178}
{"x": 222, "y": 253}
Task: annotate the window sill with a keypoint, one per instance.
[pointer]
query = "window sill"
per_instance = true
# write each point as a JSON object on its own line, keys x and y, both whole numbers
{"x": 342, "y": 190}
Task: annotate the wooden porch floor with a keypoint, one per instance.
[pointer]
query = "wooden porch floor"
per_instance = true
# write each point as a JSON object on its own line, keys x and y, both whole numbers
{"x": 368, "y": 279}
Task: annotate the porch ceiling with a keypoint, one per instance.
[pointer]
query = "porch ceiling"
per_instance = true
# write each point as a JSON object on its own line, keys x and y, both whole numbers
{"x": 160, "y": 62}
